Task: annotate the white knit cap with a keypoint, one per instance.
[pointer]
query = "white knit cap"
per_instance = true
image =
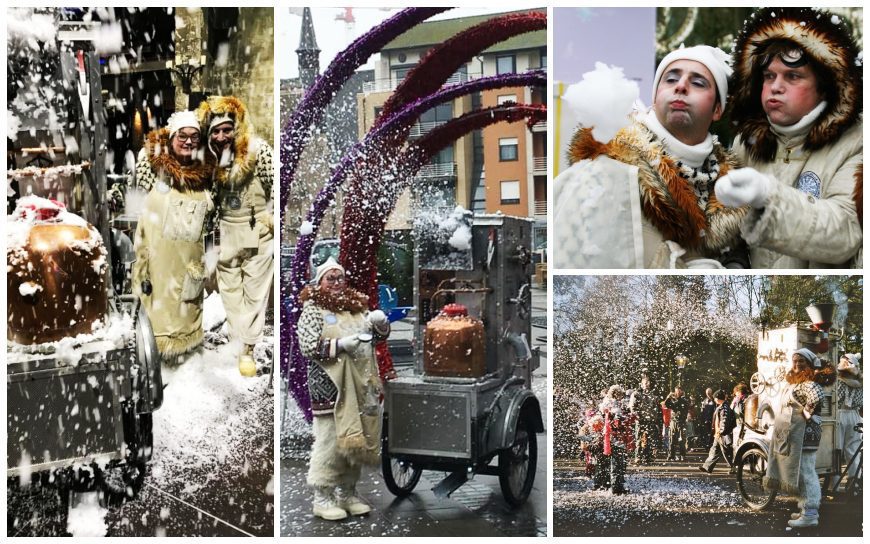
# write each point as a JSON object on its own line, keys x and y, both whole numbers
{"x": 713, "y": 58}
{"x": 219, "y": 120}
{"x": 328, "y": 265}
{"x": 808, "y": 354}
{"x": 180, "y": 120}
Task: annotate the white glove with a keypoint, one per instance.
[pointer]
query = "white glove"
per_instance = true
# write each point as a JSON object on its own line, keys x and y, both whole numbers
{"x": 744, "y": 186}
{"x": 377, "y": 318}
{"x": 347, "y": 344}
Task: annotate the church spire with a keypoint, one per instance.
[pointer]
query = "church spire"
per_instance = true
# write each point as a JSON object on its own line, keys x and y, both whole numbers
{"x": 308, "y": 52}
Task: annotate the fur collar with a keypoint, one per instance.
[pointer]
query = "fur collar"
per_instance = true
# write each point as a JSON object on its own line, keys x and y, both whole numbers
{"x": 244, "y": 144}
{"x": 667, "y": 200}
{"x": 852, "y": 382}
{"x": 350, "y": 300}
{"x": 193, "y": 177}
{"x": 829, "y": 44}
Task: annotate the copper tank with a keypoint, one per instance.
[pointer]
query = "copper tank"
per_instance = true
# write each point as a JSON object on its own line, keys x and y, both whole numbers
{"x": 55, "y": 283}
{"x": 454, "y": 344}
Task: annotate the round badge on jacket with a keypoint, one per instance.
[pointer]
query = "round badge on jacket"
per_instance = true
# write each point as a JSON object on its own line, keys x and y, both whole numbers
{"x": 810, "y": 184}
{"x": 330, "y": 319}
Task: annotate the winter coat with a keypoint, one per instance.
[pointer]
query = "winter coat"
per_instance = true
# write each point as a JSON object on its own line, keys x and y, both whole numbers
{"x": 623, "y": 204}
{"x": 787, "y": 442}
{"x": 724, "y": 422}
{"x": 645, "y": 406}
{"x": 679, "y": 408}
{"x": 169, "y": 244}
{"x": 242, "y": 190}
{"x": 244, "y": 174}
{"x": 345, "y": 385}
{"x": 811, "y": 220}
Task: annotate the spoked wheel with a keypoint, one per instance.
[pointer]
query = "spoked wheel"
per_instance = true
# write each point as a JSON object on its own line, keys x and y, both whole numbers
{"x": 401, "y": 476}
{"x": 517, "y": 465}
{"x": 120, "y": 483}
{"x": 751, "y": 468}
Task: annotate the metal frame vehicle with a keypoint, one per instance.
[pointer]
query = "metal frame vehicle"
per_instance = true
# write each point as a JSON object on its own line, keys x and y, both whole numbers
{"x": 754, "y": 437}
{"x": 460, "y": 424}
{"x": 85, "y": 424}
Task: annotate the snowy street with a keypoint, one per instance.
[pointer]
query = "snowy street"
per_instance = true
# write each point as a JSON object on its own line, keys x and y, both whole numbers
{"x": 676, "y": 499}
{"x": 212, "y": 471}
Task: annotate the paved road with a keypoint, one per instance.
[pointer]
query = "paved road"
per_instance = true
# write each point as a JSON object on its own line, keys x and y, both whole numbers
{"x": 676, "y": 499}
{"x": 475, "y": 509}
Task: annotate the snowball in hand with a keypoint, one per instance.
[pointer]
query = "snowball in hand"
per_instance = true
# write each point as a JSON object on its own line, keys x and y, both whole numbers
{"x": 603, "y": 100}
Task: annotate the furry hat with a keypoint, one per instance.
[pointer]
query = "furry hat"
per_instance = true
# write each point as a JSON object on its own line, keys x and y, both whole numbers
{"x": 850, "y": 363}
{"x": 713, "y": 58}
{"x": 180, "y": 120}
{"x": 329, "y": 264}
{"x": 811, "y": 357}
{"x": 826, "y": 40}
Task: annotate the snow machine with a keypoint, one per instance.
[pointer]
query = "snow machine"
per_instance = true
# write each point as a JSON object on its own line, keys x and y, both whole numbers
{"x": 83, "y": 371}
{"x": 469, "y": 399}
{"x": 754, "y": 436}
{"x": 82, "y": 367}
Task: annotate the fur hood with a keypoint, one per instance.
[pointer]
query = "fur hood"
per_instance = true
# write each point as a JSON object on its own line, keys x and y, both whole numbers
{"x": 829, "y": 44}
{"x": 194, "y": 177}
{"x": 350, "y": 300}
{"x": 667, "y": 200}
{"x": 244, "y": 156}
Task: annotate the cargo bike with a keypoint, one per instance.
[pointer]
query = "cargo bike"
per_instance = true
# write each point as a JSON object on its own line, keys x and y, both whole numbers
{"x": 754, "y": 435}
{"x": 469, "y": 399}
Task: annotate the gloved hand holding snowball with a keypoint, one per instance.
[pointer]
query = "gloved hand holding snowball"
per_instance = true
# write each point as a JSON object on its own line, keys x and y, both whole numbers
{"x": 744, "y": 186}
{"x": 378, "y": 323}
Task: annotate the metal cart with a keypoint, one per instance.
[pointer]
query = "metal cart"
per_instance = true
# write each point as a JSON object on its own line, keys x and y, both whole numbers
{"x": 753, "y": 446}
{"x": 460, "y": 425}
{"x": 80, "y": 417}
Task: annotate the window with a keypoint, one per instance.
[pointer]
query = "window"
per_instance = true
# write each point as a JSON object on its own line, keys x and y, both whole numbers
{"x": 507, "y": 98}
{"x": 506, "y": 64}
{"x": 510, "y": 192}
{"x": 543, "y": 59}
{"x": 508, "y": 149}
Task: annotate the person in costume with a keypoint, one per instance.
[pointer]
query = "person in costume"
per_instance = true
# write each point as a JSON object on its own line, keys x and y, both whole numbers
{"x": 243, "y": 192}
{"x": 797, "y": 107}
{"x": 169, "y": 271}
{"x": 796, "y": 436}
{"x": 645, "y": 199}
{"x": 336, "y": 333}
{"x": 850, "y": 408}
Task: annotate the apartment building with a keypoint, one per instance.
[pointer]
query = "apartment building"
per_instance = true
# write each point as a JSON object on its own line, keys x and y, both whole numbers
{"x": 500, "y": 168}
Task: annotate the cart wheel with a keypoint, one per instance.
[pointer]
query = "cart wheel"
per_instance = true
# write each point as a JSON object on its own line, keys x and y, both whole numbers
{"x": 756, "y": 383}
{"x": 751, "y": 468}
{"x": 517, "y": 465}
{"x": 118, "y": 484}
{"x": 400, "y": 476}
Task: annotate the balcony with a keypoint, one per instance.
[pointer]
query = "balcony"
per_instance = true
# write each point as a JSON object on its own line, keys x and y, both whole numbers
{"x": 390, "y": 84}
{"x": 439, "y": 170}
{"x": 541, "y": 207}
{"x": 539, "y": 165}
{"x": 419, "y": 129}
{"x": 540, "y": 127}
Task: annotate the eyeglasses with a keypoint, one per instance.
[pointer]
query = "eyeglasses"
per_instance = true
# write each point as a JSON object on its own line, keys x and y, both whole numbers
{"x": 334, "y": 280}
{"x": 192, "y": 138}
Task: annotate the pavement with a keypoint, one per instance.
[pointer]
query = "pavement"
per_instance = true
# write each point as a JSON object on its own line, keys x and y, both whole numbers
{"x": 676, "y": 499}
{"x": 475, "y": 509}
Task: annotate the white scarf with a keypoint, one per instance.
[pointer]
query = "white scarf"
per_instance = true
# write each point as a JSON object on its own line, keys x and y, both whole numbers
{"x": 690, "y": 155}
{"x": 802, "y": 127}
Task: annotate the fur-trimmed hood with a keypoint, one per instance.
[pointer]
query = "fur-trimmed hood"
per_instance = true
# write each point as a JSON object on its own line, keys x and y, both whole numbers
{"x": 350, "y": 300}
{"x": 193, "y": 177}
{"x": 828, "y": 43}
{"x": 244, "y": 155}
{"x": 668, "y": 201}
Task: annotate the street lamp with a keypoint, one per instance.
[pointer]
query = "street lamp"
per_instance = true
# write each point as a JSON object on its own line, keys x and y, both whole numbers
{"x": 681, "y": 364}
{"x": 186, "y": 71}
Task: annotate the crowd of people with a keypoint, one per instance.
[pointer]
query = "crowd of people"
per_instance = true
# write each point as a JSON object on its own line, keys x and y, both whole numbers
{"x": 641, "y": 422}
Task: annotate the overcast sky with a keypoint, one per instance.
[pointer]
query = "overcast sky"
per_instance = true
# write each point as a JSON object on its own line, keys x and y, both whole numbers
{"x": 334, "y": 35}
